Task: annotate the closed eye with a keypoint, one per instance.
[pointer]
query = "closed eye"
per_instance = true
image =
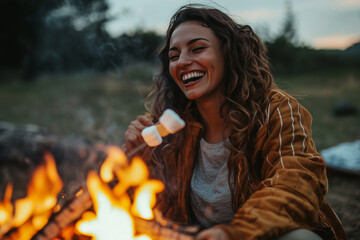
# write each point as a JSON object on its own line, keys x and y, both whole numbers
{"x": 173, "y": 57}
{"x": 198, "y": 49}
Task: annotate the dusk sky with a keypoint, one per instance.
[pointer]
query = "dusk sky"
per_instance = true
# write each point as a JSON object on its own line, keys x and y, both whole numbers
{"x": 331, "y": 24}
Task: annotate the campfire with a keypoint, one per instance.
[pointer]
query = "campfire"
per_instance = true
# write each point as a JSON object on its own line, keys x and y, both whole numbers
{"x": 112, "y": 207}
{"x": 116, "y": 203}
{"x": 31, "y": 213}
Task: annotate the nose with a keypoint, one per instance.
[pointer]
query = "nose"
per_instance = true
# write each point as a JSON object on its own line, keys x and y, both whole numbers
{"x": 184, "y": 60}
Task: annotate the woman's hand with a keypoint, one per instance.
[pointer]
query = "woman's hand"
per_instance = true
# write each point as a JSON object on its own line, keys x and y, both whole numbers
{"x": 133, "y": 136}
{"x": 212, "y": 234}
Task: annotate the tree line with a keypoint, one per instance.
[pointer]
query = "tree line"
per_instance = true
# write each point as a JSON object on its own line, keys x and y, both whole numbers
{"x": 64, "y": 36}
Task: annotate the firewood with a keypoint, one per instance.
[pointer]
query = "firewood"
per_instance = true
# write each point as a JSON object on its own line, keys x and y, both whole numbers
{"x": 171, "y": 231}
{"x": 70, "y": 213}
{"x": 158, "y": 229}
{"x": 21, "y": 149}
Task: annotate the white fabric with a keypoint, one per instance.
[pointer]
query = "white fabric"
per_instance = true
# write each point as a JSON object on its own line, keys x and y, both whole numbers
{"x": 210, "y": 192}
{"x": 343, "y": 156}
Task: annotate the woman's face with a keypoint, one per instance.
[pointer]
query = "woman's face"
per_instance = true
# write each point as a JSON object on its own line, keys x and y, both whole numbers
{"x": 196, "y": 61}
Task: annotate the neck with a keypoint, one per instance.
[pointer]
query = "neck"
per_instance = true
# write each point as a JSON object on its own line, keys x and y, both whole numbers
{"x": 214, "y": 125}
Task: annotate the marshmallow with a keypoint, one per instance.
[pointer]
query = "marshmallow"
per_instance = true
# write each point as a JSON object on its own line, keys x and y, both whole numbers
{"x": 151, "y": 136}
{"x": 171, "y": 121}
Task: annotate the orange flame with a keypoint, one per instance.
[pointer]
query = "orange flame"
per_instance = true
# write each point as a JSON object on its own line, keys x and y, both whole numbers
{"x": 131, "y": 176}
{"x": 111, "y": 216}
{"x": 6, "y": 208}
{"x": 145, "y": 199}
{"x": 43, "y": 189}
{"x": 116, "y": 158}
{"x": 33, "y": 211}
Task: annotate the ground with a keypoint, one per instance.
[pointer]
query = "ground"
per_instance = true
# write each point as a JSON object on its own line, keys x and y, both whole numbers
{"x": 344, "y": 197}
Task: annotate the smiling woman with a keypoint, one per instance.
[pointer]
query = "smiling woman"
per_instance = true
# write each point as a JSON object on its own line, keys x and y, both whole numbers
{"x": 245, "y": 166}
{"x": 196, "y": 61}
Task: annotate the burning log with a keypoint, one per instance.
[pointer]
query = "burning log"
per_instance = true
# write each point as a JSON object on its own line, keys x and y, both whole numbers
{"x": 158, "y": 229}
{"x": 57, "y": 222}
{"x": 162, "y": 229}
{"x": 21, "y": 149}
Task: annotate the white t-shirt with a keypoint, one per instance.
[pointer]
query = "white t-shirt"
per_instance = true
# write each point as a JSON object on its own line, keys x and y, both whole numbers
{"x": 211, "y": 196}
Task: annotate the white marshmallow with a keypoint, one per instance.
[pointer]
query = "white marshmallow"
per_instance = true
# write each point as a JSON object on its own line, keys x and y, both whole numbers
{"x": 151, "y": 136}
{"x": 171, "y": 121}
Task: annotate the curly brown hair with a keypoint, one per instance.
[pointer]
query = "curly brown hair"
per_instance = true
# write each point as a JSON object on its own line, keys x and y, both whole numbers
{"x": 247, "y": 83}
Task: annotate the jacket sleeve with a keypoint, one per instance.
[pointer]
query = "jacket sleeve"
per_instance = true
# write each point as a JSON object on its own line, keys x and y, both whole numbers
{"x": 293, "y": 177}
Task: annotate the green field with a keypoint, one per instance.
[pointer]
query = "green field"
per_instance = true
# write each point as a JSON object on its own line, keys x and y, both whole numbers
{"x": 320, "y": 93}
{"x": 92, "y": 105}
{"x": 100, "y": 106}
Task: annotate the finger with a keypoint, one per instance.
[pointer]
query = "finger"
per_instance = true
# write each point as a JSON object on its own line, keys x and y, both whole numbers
{"x": 132, "y": 134}
{"x": 137, "y": 125}
{"x": 133, "y": 138}
{"x": 144, "y": 121}
{"x": 204, "y": 235}
{"x": 212, "y": 234}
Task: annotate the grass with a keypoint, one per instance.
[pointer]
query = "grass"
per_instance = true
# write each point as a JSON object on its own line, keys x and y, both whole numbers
{"x": 100, "y": 106}
{"x": 320, "y": 93}
{"x": 96, "y": 106}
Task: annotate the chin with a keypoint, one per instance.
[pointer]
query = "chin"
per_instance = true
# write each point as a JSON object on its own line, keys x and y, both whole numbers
{"x": 193, "y": 96}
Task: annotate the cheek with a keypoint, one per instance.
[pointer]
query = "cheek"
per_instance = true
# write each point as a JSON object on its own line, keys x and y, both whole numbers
{"x": 172, "y": 71}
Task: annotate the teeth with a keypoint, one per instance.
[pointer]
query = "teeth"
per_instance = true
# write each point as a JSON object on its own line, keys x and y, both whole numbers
{"x": 192, "y": 75}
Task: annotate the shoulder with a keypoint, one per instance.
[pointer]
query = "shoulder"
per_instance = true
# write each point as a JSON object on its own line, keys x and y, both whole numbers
{"x": 280, "y": 101}
{"x": 278, "y": 96}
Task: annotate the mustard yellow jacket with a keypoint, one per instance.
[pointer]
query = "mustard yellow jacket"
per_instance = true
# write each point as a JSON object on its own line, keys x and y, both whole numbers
{"x": 290, "y": 188}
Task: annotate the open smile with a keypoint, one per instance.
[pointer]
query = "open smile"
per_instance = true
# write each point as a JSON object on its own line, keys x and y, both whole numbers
{"x": 190, "y": 79}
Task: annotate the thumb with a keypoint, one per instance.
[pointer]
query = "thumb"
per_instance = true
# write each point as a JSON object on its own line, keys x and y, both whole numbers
{"x": 212, "y": 234}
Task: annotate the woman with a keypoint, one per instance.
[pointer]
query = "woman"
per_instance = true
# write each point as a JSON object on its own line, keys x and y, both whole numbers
{"x": 245, "y": 167}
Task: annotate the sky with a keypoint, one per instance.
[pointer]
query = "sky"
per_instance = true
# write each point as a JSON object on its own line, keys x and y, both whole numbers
{"x": 322, "y": 24}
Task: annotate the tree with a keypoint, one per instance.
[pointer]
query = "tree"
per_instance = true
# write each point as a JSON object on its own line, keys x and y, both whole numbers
{"x": 283, "y": 48}
{"x": 288, "y": 28}
{"x": 51, "y": 34}
{"x": 20, "y": 22}
{"x": 139, "y": 46}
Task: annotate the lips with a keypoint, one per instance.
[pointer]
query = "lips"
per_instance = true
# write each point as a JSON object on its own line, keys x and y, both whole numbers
{"x": 191, "y": 77}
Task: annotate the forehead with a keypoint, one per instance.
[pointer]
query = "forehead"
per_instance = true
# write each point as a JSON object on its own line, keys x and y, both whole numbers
{"x": 191, "y": 30}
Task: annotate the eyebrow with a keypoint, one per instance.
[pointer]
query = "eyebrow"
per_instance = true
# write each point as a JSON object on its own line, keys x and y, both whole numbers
{"x": 190, "y": 42}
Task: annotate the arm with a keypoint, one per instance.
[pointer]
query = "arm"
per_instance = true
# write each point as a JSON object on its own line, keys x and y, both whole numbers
{"x": 293, "y": 178}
